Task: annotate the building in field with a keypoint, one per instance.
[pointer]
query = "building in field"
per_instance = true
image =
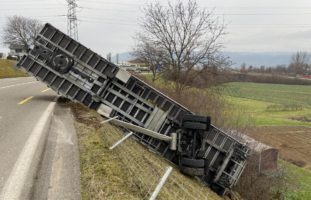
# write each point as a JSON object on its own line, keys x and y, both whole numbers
{"x": 136, "y": 65}
{"x": 17, "y": 50}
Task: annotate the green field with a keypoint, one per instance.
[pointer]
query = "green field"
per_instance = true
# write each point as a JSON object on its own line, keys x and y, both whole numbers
{"x": 250, "y": 105}
{"x": 302, "y": 178}
{"x": 254, "y": 101}
{"x": 8, "y": 70}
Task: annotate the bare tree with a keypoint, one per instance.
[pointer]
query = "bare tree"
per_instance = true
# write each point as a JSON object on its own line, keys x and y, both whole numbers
{"x": 188, "y": 38}
{"x": 150, "y": 54}
{"x": 243, "y": 68}
{"x": 299, "y": 64}
{"x": 20, "y": 31}
{"x": 256, "y": 186}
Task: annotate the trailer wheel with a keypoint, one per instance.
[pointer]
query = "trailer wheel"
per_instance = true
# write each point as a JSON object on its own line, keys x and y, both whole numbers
{"x": 194, "y": 125}
{"x": 224, "y": 181}
{"x": 192, "y": 171}
{"x": 191, "y": 162}
{"x": 239, "y": 156}
{"x": 197, "y": 118}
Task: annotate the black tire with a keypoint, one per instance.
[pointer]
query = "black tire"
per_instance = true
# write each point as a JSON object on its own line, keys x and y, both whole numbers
{"x": 191, "y": 162}
{"x": 224, "y": 181}
{"x": 194, "y": 125}
{"x": 239, "y": 156}
{"x": 192, "y": 171}
{"x": 197, "y": 118}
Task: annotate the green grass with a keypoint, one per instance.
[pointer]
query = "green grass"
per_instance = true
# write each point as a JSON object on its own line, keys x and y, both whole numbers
{"x": 130, "y": 171}
{"x": 303, "y": 181}
{"x": 272, "y": 93}
{"x": 248, "y": 103}
{"x": 253, "y": 100}
{"x": 8, "y": 69}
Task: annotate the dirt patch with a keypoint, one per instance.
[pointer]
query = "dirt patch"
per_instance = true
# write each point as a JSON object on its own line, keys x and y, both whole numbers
{"x": 302, "y": 119}
{"x": 294, "y": 143}
{"x": 82, "y": 113}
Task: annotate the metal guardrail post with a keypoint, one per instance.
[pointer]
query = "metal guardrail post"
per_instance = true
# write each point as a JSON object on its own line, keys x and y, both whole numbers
{"x": 120, "y": 141}
{"x": 108, "y": 120}
{"x": 161, "y": 183}
{"x": 142, "y": 130}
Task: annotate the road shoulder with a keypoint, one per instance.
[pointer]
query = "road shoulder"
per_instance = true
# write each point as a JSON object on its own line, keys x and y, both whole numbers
{"x": 59, "y": 173}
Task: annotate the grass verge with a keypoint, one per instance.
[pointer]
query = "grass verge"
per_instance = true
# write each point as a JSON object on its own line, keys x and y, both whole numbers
{"x": 303, "y": 177}
{"x": 130, "y": 171}
{"x": 7, "y": 69}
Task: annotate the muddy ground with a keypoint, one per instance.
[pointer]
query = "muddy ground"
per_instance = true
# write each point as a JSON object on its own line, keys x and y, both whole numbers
{"x": 294, "y": 143}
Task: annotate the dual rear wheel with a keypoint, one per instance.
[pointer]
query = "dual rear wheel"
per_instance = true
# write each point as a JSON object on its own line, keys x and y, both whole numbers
{"x": 195, "y": 125}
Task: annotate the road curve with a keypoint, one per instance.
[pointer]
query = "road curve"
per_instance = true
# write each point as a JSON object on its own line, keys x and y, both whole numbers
{"x": 22, "y": 102}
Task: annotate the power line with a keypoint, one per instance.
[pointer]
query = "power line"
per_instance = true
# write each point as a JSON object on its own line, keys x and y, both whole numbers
{"x": 293, "y": 14}
{"x": 121, "y": 3}
{"x": 111, "y": 3}
{"x": 31, "y": 8}
{"x": 230, "y": 26}
{"x": 108, "y": 22}
{"x": 218, "y": 13}
{"x": 72, "y": 26}
{"x": 53, "y": 15}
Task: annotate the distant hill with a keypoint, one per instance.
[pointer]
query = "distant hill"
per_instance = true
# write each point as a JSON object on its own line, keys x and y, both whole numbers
{"x": 123, "y": 57}
{"x": 258, "y": 59}
{"x": 249, "y": 58}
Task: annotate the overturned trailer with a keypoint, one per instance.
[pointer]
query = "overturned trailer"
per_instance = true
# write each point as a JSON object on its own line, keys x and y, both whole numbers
{"x": 76, "y": 72}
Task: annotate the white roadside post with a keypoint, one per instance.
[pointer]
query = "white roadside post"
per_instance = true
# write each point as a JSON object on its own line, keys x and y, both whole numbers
{"x": 108, "y": 120}
{"x": 161, "y": 183}
{"x": 172, "y": 139}
{"x": 120, "y": 141}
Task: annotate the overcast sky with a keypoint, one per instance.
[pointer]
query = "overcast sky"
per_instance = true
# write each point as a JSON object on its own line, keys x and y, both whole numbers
{"x": 109, "y": 25}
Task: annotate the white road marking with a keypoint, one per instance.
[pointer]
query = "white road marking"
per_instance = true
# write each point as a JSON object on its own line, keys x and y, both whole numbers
{"x": 9, "y": 79}
{"x": 9, "y": 86}
{"x": 13, "y": 188}
{"x": 12, "y": 79}
{"x": 47, "y": 89}
{"x": 10, "y": 82}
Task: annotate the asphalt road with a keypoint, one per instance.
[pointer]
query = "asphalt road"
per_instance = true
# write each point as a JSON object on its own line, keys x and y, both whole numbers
{"x": 22, "y": 102}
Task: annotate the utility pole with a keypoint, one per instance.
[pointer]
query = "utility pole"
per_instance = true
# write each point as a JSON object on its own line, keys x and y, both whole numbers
{"x": 109, "y": 57}
{"x": 72, "y": 25}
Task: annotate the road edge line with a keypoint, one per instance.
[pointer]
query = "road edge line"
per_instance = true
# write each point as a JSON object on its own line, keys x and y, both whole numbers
{"x": 19, "y": 84}
{"x": 17, "y": 184}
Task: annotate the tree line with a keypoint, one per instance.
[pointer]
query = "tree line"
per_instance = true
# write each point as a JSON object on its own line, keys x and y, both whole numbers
{"x": 181, "y": 42}
{"x": 299, "y": 66}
